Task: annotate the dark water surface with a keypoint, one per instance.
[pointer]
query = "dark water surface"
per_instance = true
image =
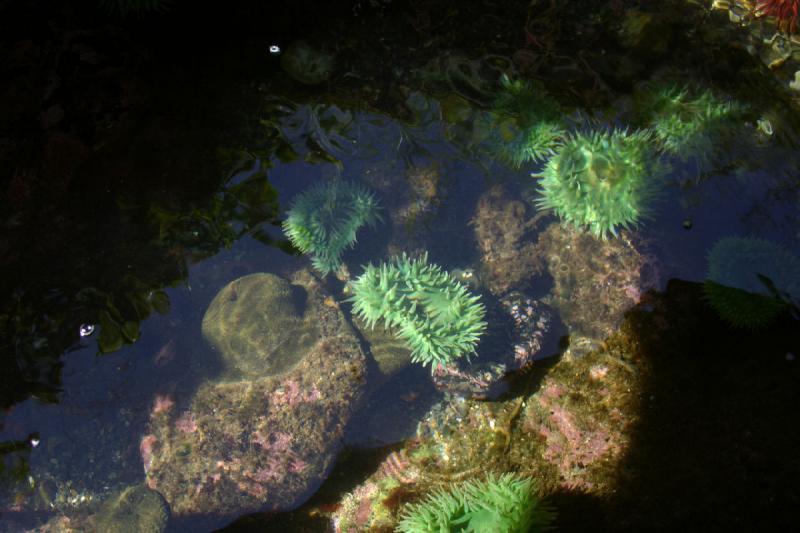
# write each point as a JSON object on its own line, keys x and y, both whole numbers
{"x": 147, "y": 162}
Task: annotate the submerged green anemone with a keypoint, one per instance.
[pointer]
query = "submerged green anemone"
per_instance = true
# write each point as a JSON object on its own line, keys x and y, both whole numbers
{"x": 687, "y": 121}
{"x": 504, "y": 504}
{"x": 324, "y": 219}
{"x": 424, "y": 305}
{"x": 533, "y": 125}
{"x": 751, "y": 282}
{"x": 601, "y": 181}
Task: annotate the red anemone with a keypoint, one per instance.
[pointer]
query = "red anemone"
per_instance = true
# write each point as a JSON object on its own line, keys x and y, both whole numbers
{"x": 784, "y": 11}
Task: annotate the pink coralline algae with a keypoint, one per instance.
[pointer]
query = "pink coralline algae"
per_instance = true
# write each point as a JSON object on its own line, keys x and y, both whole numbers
{"x": 571, "y": 445}
{"x": 296, "y": 466}
{"x": 146, "y": 447}
{"x": 274, "y": 442}
{"x": 281, "y": 458}
{"x": 291, "y": 394}
{"x": 162, "y": 403}
{"x": 186, "y": 423}
{"x": 272, "y": 471}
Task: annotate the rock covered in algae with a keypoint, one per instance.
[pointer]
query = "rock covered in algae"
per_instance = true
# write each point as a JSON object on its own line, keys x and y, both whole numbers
{"x": 595, "y": 281}
{"x": 265, "y": 443}
{"x": 260, "y": 325}
{"x": 503, "y": 230}
{"x": 571, "y": 431}
{"x": 136, "y": 509}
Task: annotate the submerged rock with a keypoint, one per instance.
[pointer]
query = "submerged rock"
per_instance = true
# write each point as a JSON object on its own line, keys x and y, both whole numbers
{"x": 136, "y": 509}
{"x": 260, "y": 325}
{"x": 390, "y": 353}
{"x": 531, "y": 338}
{"x": 266, "y": 443}
{"x": 504, "y": 231}
{"x": 594, "y": 280}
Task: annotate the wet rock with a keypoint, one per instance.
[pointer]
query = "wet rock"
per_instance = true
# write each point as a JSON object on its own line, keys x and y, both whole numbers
{"x": 595, "y": 280}
{"x": 532, "y": 325}
{"x": 260, "y": 325}
{"x": 389, "y": 352}
{"x": 265, "y": 443}
{"x": 571, "y": 432}
{"x": 137, "y": 509}
{"x": 502, "y": 229}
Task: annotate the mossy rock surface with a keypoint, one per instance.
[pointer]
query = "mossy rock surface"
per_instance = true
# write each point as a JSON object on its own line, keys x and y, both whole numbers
{"x": 261, "y": 325}
{"x": 266, "y": 443}
{"x": 136, "y": 509}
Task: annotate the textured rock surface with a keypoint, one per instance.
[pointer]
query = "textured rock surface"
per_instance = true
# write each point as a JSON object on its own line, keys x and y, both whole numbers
{"x": 390, "y": 353}
{"x": 595, "y": 280}
{"x": 136, "y": 509}
{"x": 261, "y": 444}
{"x": 504, "y": 230}
{"x": 260, "y": 325}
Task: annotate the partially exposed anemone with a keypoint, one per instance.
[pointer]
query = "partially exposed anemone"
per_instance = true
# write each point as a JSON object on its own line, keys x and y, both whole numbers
{"x": 750, "y": 281}
{"x": 533, "y": 124}
{"x": 324, "y": 219}
{"x": 602, "y": 181}
{"x": 424, "y": 305}
{"x": 687, "y": 121}
{"x": 504, "y": 504}
{"x": 532, "y": 144}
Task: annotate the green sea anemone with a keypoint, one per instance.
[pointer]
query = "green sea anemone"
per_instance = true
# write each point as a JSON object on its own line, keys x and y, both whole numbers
{"x": 601, "y": 181}
{"x": 504, "y": 504}
{"x": 324, "y": 219}
{"x": 687, "y": 121}
{"x": 424, "y": 305}
{"x": 531, "y": 122}
{"x": 751, "y": 282}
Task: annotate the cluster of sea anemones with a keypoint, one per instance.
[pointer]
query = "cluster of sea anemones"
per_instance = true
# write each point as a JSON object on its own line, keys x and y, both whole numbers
{"x": 784, "y": 11}
{"x": 688, "y": 121}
